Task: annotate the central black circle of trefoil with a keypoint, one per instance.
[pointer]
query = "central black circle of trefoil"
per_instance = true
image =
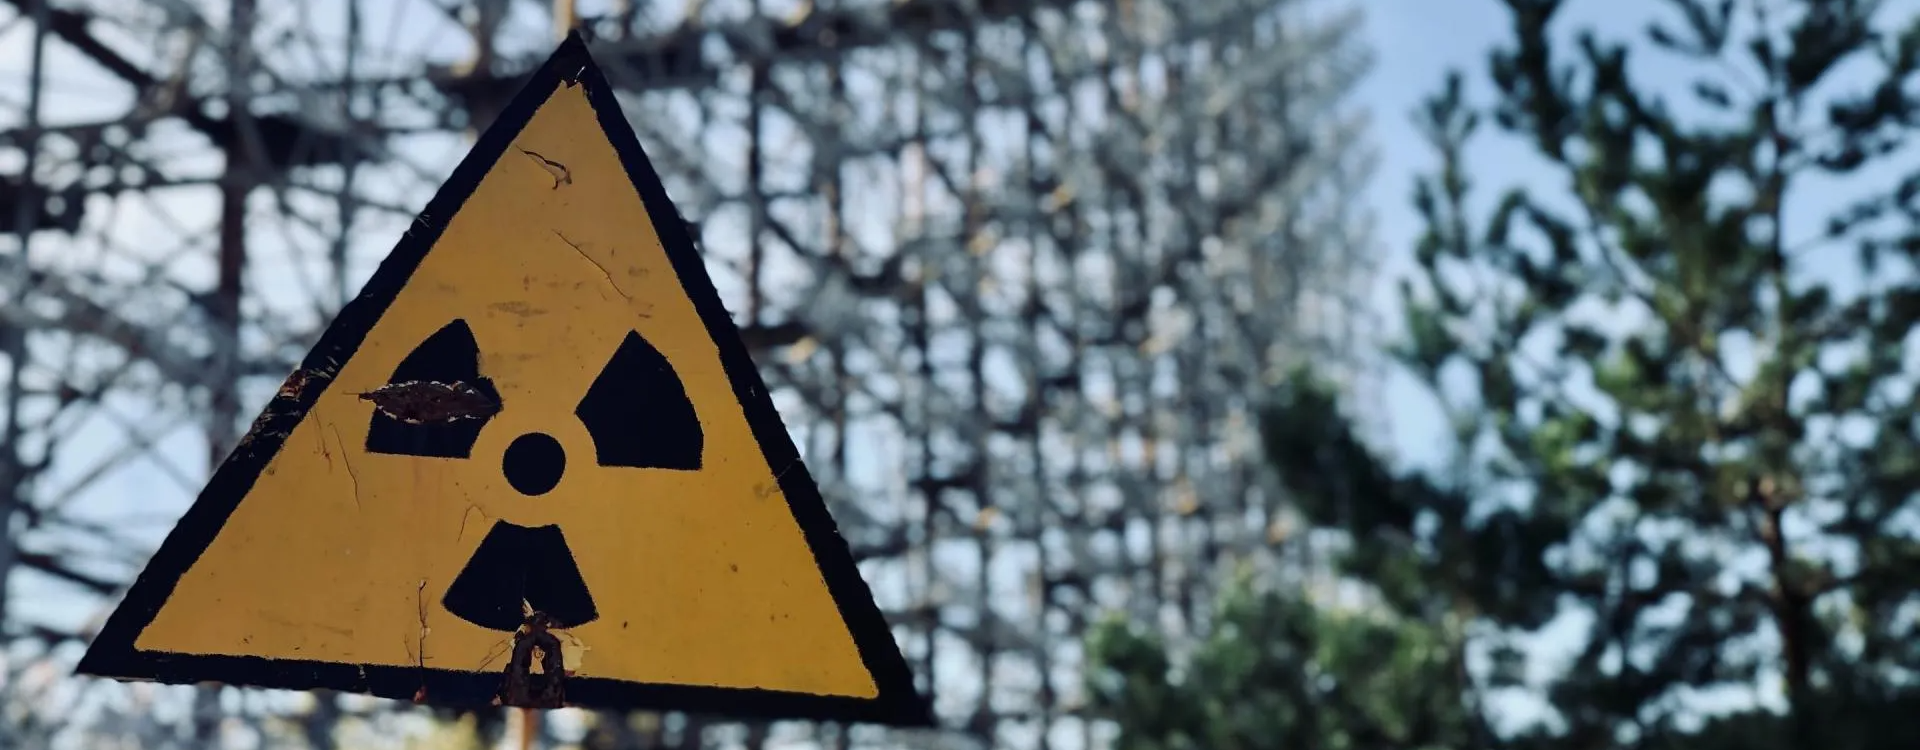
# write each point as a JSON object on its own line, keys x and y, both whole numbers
{"x": 533, "y": 463}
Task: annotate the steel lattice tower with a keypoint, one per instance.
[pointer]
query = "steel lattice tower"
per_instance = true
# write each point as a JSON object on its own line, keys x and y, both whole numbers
{"x": 1018, "y": 271}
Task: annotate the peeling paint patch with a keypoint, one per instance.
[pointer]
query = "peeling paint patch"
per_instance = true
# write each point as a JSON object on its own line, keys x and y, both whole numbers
{"x": 518, "y": 308}
{"x": 573, "y": 652}
{"x": 418, "y": 649}
{"x": 431, "y": 401}
{"x": 561, "y": 175}
{"x": 296, "y": 383}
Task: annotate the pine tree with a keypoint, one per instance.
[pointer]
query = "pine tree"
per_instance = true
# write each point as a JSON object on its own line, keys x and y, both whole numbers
{"x": 1278, "y": 672}
{"x": 1689, "y": 423}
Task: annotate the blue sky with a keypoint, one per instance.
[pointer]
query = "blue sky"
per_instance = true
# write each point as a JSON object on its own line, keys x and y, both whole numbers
{"x": 1416, "y": 42}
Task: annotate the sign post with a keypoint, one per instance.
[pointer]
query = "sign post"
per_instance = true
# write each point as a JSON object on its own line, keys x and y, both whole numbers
{"x": 531, "y": 464}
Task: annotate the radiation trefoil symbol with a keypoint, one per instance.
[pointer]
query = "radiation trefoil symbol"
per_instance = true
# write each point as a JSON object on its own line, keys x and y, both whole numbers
{"x": 436, "y": 404}
{"x": 523, "y": 325}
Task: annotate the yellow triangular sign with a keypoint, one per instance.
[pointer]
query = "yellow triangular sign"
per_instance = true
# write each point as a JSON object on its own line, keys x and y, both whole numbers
{"x": 536, "y": 426}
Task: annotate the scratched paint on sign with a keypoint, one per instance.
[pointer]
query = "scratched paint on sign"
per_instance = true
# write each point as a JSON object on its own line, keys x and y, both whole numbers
{"x": 535, "y": 424}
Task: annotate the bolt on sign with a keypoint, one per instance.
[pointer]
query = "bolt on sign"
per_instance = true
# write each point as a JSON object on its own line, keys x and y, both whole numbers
{"x": 531, "y": 464}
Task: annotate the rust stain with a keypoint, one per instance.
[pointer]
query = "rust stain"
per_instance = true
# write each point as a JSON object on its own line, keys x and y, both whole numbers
{"x": 424, "y": 401}
{"x": 521, "y": 687}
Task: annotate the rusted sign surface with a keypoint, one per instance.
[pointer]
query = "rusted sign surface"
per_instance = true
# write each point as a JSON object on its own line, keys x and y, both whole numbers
{"x": 531, "y": 464}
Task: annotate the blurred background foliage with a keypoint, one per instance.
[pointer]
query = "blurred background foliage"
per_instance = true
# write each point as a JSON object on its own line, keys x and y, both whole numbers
{"x": 1680, "y": 511}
